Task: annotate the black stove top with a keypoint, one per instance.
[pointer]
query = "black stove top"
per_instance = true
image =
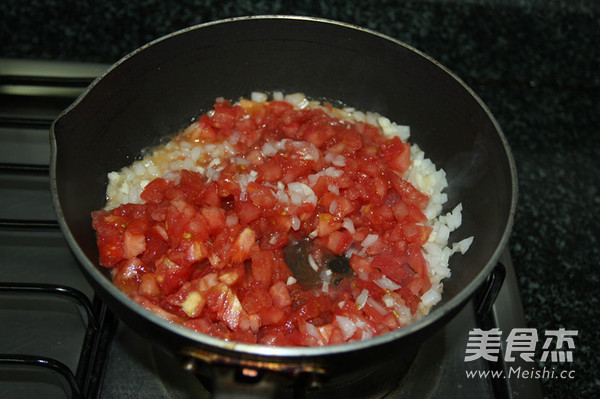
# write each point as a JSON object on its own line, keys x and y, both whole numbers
{"x": 58, "y": 340}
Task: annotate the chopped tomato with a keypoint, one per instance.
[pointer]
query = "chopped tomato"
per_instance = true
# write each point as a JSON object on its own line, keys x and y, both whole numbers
{"x": 397, "y": 154}
{"x": 208, "y": 251}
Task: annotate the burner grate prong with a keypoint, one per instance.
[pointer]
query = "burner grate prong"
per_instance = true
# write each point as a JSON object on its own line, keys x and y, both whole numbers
{"x": 100, "y": 329}
{"x": 28, "y": 225}
{"x": 53, "y": 365}
{"x": 55, "y": 290}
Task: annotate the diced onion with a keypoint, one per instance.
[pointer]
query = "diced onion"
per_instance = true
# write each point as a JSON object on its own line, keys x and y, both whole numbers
{"x": 334, "y": 189}
{"x": 347, "y": 326}
{"x": 463, "y": 245}
{"x": 369, "y": 240}
{"x": 312, "y": 331}
{"x": 377, "y": 306}
{"x": 291, "y": 280}
{"x": 295, "y": 222}
{"x": 388, "y": 301}
{"x": 387, "y": 284}
{"x": 333, "y": 207}
{"x": 361, "y": 300}
{"x": 301, "y": 193}
{"x": 348, "y": 224}
{"x": 299, "y": 100}
{"x": 312, "y": 263}
{"x": 431, "y": 297}
{"x": 231, "y": 220}
{"x": 258, "y": 97}
{"x": 335, "y": 159}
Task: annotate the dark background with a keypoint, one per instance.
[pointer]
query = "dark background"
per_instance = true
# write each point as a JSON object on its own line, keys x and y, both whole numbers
{"x": 534, "y": 63}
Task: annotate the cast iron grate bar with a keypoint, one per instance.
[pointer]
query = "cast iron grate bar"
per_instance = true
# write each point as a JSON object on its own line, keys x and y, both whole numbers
{"x": 53, "y": 365}
{"x": 100, "y": 328}
{"x": 49, "y": 81}
{"x": 38, "y": 81}
{"x": 95, "y": 351}
{"x": 63, "y": 291}
{"x": 100, "y": 324}
{"x": 21, "y": 168}
{"x": 25, "y": 123}
{"x": 28, "y": 225}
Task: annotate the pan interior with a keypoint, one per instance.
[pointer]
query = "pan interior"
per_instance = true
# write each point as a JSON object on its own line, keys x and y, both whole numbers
{"x": 158, "y": 90}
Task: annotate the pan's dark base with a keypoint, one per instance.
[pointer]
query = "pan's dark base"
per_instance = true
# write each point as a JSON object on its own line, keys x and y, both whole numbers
{"x": 377, "y": 381}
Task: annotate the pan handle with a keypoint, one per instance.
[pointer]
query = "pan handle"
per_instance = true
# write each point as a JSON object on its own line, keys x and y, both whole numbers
{"x": 226, "y": 377}
{"x": 486, "y": 296}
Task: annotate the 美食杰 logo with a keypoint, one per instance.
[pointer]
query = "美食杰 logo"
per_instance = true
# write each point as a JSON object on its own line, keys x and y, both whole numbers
{"x": 557, "y": 346}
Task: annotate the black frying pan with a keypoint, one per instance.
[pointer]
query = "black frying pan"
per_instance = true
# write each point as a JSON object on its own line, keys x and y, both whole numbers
{"x": 156, "y": 91}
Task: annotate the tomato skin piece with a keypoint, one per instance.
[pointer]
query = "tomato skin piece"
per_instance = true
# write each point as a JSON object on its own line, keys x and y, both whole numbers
{"x": 154, "y": 191}
{"x": 210, "y": 196}
{"x": 261, "y": 196}
{"x": 273, "y": 315}
{"x": 410, "y": 194}
{"x": 415, "y": 233}
{"x": 327, "y": 225}
{"x": 201, "y": 130}
{"x": 156, "y": 245}
{"x": 215, "y": 219}
{"x": 360, "y": 265}
{"x": 278, "y": 108}
{"x": 271, "y": 170}
{"x": 221, "y": 249}
{"x": 396, "y": 268}
{"x": 380, "y": 216}
{"x": 247, "y": 212}
{"x": 252, "y": 107}
{"x": 256, "y": 298}
{"x": 148, "y": 286}
{"x": 243, "y": 336}
{"x": 178, "y": 214}
{"x": 134, "y": 237}
{"x": 170, "y": 275}
{"x": 397, "y": 154}
{"x": 225, "y": 116}
{"x": 262, "y": 266}
{"x": 317, "y": 135}
{"x": 197, "y": 228}
{"x": 231, "y": 313}
{"x": 269, "y": 336}
{"x": 109, "y": 230}
{"x": 337, "y": 242}
{"x": 243, "y": 245}
{"x": 280, "y": 295}
{"x": 418, "y": 263}
{"x": 128, "y": 275}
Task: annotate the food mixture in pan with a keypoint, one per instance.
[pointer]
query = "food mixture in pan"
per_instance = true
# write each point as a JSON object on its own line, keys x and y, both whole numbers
{"x": 281, "y": 221}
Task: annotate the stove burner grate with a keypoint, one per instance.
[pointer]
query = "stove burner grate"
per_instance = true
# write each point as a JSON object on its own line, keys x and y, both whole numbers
{"x": 85, "y": 380}
{"x": 100, "y": 326}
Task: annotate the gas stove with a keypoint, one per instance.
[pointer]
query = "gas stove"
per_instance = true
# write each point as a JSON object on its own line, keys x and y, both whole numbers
{"x": 57, "y": 339}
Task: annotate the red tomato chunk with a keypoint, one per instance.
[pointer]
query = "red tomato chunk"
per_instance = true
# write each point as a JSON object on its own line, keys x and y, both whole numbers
{"x": 209, "y": 252}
